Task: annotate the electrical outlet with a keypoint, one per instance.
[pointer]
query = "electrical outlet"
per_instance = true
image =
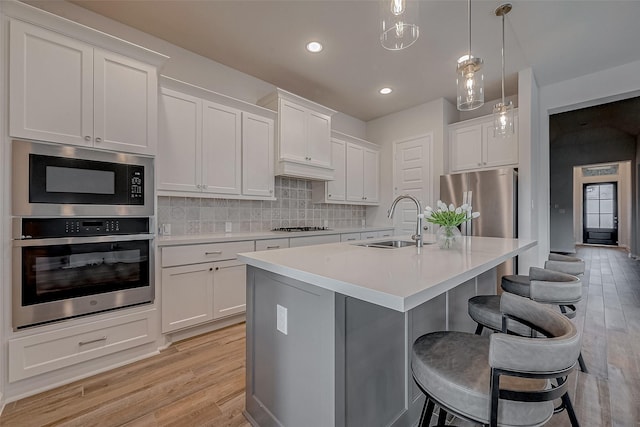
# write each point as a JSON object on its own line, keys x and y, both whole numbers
{"x": 165, "y": 229}
{"x": 281, "y": 318}
{"x": 228, "y": 227}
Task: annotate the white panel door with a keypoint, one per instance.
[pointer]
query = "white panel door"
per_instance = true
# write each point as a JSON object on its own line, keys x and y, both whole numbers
{"x": 336, "y": 189}
{"x": 412, "y": 175}
{"x": 179, "y": 163}
{"x": 292, "y": 132}
{"x": 187, "y": 296}
{"x": 51, "y": 86}
{"x": 355, "y": 173}
{"x": 229, "y": 288}
{"x": 126, "y": 104}
{"x": 466, "y": 148}
{"x": 371, "y": 175}
{"x": 257, "y": 155}
{"x": 319, "y": 139}
{"x": 221, "y": 149}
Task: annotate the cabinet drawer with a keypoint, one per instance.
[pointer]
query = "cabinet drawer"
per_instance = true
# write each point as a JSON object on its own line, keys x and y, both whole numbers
{"x": 349, "y": 237}
{"x": 194, "y": 254}
{"x": 296, "y": 242}
{"x": 370, "y": 235}
{"x": 40, "y": 353}
{"x": 270, "y": 244}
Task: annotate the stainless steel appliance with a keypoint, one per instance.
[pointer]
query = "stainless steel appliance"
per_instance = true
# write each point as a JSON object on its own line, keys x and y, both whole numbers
{"x": 67, "y": 267}
{"x": 493, "y": 193}
{"x": 54, "y": 180}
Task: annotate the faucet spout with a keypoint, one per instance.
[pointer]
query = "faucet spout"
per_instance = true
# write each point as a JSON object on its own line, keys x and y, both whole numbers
{"x": 418, "y": 236}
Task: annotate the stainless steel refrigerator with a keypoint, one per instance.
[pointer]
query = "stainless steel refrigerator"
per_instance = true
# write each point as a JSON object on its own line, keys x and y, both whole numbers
{"x": 493, "y": 193}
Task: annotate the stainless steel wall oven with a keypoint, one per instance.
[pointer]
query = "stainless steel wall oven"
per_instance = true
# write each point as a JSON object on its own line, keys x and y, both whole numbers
{"x": 106, "y": 264}
{"x": 82, "y": 232}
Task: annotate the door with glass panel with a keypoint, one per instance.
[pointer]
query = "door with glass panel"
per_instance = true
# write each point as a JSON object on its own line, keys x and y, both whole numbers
{"x": 600, "y": 224}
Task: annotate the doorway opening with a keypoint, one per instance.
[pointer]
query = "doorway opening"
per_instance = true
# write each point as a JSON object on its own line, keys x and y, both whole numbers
{"x": 600, "y": 214}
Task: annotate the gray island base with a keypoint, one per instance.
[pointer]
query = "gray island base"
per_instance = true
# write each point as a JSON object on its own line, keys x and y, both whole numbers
{"x": 320, "y": 357}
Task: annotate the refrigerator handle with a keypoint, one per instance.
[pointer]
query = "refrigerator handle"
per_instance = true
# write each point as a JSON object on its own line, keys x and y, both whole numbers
{"x": 463, "y": 226}
{"x": 469, "y": 224}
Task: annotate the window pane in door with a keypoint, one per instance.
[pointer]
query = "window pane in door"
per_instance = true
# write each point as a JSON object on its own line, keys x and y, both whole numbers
{"x": 606, "y": 206}
{"x": 593, "y": 206}
{"x": 593, "y": 221}
{"x": 592, "y": 192}
{"x": 606, "y": 221}
{"x": 606, "y": 191}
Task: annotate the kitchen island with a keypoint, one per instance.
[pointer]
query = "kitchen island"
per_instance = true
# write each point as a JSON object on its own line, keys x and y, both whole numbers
{"x": 330, "y": 327}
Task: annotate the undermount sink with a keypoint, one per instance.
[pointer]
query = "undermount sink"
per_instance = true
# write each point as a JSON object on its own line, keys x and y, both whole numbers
{"x": 388, "y": 244}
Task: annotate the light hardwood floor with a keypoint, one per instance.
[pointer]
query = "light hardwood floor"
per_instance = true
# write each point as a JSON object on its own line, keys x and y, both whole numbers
{"x": 200, "y": 381}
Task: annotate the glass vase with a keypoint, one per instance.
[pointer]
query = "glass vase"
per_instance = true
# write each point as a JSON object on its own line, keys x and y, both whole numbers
{"x": 448, "y": 237}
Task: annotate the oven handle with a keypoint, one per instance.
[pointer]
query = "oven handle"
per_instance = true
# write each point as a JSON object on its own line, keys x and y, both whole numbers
{"x": 78, "y": 240}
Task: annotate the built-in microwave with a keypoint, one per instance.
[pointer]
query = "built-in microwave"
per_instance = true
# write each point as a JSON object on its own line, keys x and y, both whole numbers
{"x": 54, "y": 180}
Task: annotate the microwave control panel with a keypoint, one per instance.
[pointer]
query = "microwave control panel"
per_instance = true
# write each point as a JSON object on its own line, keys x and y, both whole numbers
{"x": 136, "y": 184}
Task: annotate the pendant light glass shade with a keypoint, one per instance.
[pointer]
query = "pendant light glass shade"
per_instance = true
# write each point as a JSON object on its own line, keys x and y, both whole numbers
{"x": 503, "y": 116}
{"x": 470, "y": 93}
{"x": 470, "y": 84}
{"x": 399, "y": 23}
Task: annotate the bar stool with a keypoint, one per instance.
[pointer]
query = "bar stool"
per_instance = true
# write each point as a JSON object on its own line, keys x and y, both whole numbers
{"x": 542, "y": 285}
{"x": 493, "y": 379}
{"x": 565, "y": 264}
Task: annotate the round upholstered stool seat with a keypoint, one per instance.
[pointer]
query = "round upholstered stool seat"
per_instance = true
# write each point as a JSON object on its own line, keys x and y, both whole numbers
{"x": 485, "y": 311}
{"x": 454, "y": 367}
{"x": 565, "y": 264}
{"x": 518, "y": 284}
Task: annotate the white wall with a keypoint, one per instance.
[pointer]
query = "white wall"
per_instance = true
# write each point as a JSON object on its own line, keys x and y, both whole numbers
{"x": 423, "y": 119}
{"x": 5, "y": 248}
{"x": 609, "y": 85}
{"x": 188, "y": 66}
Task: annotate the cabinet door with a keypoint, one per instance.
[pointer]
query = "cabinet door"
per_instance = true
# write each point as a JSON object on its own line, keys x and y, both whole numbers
{"x": 180, "y": 142}
{"x": 257, "y": 155}
{"x": 319, "y": 139}
{"x": 336, "y": 189}
{"x": 355, "y": 173}
{"x": 292, "y": 132}
{"x": 371, "y": 179}
{"x": 466, "y": 147}
{"x": 126, "y": 104}
{"x": 51, "y": 86}
{"x": 221, "y": 149}
{"x": 187, "y": 296}
{"x": 500, "y": 151}
{"x": 229, "y": 288}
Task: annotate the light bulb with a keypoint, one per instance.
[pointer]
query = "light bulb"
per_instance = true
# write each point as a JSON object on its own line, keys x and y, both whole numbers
{"x": 397, "y": 7}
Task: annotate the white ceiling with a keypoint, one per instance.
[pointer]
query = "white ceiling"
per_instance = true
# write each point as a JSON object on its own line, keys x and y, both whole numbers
{"x": 559, "y": 39}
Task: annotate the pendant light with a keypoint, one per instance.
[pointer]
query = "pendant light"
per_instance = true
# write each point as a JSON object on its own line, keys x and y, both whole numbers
{"x": 470, "y": 79}
{"x": 503, "y": 111}
{"x": 399, "y": 20}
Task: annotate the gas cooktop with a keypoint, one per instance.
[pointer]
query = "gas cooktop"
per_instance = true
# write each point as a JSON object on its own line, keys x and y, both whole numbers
{"x": 293, "y": 229}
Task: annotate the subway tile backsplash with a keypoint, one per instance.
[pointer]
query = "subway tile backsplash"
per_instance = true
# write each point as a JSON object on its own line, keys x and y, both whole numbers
{"x": 293, "y": 208}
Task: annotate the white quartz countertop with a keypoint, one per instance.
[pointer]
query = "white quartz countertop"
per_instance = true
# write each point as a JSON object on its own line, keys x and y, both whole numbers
{"x": 235, "y": 237}
{"x": 400, "y": 279}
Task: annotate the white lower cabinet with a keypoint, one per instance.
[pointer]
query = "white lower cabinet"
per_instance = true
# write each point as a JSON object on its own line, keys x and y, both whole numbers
{"x": 296, "y": 242}
{"x": 349, "y": 237}
{"x": 195, "y": 291}
{"x": 44, "y": 352}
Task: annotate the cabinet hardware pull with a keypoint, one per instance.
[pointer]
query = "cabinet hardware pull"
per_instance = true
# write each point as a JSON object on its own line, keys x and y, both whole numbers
{"x": 370, "y": 237}
{"x": 273, "y": 247}
{"x": 98, "y": 139}
{"x": 213, "y": 253}
{"x": 93, "y": 341}
{"x": 351, "y": 239}
{"x": 87, "y": 138}
{"x": 227, "y": 266}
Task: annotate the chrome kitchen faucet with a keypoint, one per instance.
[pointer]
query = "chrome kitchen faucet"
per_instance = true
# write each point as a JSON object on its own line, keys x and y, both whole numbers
{"x": 418, "y": 236}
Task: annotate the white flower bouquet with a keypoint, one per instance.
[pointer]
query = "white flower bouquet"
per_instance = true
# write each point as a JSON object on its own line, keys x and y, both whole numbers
{"x": 449, "y": 216}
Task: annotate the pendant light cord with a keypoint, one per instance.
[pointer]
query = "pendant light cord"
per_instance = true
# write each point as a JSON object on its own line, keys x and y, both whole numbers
{"x": 502, "y": 58}
{"x": 469, "y": 13}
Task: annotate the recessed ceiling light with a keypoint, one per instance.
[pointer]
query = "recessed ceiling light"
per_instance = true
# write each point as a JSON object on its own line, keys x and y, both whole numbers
{"x": 385, "y": 90}
{"x": 314, "y": 47}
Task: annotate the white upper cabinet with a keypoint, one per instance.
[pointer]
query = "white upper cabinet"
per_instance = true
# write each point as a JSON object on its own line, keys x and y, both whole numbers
{"x": 336, "y": 189}
{"x": 257, "y": 155}
{"x": 67, "y": 91}
{"x": 473, "y": 146}
{"x": 303, "y": 136}
{"x": 356, "y": 165}
{"x": 362, "y": 174}
{"x": 212, "y": 148}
